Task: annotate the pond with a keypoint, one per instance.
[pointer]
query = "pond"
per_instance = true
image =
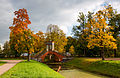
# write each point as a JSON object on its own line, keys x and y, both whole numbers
{"x": 71, "y": 72}
{"x": 77, "y": 73}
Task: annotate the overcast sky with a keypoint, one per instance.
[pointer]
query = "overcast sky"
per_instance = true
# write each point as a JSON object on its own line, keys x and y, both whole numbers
{"x": 44, "y": 12}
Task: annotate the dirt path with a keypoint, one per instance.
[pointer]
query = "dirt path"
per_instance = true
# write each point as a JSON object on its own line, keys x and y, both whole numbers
{"x": 8, "y": 65}
{"x": 107, "y": 58}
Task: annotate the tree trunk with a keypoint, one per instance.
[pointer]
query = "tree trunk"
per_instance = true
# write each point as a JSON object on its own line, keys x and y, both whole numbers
{"x": 84, "y": 52}
{"x": 28, "y": 56}
{"x": 102, "y": 54}
{"x": 115, "y": 53}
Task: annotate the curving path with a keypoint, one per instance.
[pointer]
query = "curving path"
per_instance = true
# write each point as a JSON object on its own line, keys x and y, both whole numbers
{"x": 10, "y": 63}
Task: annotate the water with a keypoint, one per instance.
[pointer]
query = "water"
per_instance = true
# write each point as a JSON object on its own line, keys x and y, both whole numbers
{"x": 77, "y": 73}
{"x": 71, "y": 72}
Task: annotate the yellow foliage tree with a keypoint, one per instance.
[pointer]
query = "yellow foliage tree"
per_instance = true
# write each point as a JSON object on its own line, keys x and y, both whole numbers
{"x": 58, "y": 36}
{"x": 100, "y": 31}
{"x": 39, "y": 43}
{"x": 71, "y": 50}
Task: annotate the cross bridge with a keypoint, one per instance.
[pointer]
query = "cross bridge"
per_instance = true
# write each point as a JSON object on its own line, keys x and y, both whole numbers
{"x": 49, "y": 51}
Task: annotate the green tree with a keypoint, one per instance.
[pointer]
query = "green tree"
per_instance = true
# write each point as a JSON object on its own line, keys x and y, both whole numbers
{"x": 114, "y": 21}
{"x": 70, "y": 42}
{"x": 118, "y": 47}
{"x": 0, "y": 49}
{"x": 6, "y": 49}
{"x": 79, "y": 33}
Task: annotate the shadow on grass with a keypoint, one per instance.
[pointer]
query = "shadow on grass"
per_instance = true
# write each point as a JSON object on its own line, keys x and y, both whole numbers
{"x": 3, "y": 62}
{"x": 33, "y": 62}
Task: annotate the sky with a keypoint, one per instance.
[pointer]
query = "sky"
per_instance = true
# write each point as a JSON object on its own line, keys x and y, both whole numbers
{"x": 63, "y": 13}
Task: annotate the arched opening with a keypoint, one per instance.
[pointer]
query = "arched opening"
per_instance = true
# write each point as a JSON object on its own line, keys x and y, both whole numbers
{"x": 51, "y": 58}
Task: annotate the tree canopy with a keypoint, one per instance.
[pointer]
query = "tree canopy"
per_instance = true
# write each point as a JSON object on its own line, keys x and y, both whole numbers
{"x": 21, "y": 38}
{"x": 58, "y": 36}
{"x": 97, "y": 34}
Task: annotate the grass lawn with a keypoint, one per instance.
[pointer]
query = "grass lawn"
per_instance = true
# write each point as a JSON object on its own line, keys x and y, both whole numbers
{"x": 110, "y": 68}
{"x": 2, "y": 62}
{"x": 32, "y": 69}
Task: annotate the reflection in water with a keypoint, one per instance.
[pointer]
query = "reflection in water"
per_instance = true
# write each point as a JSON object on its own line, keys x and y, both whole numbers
{"x": 70, "y": 72}
{"x": 59, "y": 68}
{"x": 76, "y": 73}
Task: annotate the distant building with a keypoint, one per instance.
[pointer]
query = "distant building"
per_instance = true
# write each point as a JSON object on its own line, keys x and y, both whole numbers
{"x": 68, "y": 54}
{"x": 24, "y": 54}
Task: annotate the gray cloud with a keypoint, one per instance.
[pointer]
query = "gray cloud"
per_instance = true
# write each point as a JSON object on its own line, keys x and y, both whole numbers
{"x": 44, "y": 12}
{"x": 6, "y": 10}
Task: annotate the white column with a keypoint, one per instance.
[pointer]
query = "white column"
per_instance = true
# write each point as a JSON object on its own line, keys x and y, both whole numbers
{"x": 47, "y": 47}
{"x": 52, "y": 46}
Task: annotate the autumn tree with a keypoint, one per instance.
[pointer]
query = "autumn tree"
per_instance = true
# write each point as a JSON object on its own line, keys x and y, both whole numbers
{"x": 58, "y": 36}
{"x": 101, "y": 36}
{"x": 71, "y": 50}
{"x": 12, "y": 43}
{"x": 39, "y": 43}
{"x": 21, "y": 38}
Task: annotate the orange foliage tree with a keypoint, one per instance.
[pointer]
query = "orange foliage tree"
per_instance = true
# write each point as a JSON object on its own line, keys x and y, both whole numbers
{"x": 21, "y": 36}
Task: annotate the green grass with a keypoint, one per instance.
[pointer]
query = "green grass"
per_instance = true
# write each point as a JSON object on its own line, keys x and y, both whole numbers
{"x": 110, "y": 68}
{"x": 2, "y": 62}
{"x": 32, "y": 69}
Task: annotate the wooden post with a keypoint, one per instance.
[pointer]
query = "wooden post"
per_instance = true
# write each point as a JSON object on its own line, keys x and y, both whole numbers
{"x": 59, "y": 69}
{"x": 50, "y": 56}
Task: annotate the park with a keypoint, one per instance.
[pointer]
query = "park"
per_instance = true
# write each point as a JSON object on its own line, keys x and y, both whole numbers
{"x": 92, "y": 51}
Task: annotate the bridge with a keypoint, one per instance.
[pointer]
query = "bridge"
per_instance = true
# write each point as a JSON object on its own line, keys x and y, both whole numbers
{"x": 40, "y": 56}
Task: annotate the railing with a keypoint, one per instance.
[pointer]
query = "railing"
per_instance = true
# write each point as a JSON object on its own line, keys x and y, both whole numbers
{"x": 37, "y": 54}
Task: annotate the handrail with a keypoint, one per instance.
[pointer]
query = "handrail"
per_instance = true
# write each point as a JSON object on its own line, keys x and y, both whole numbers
{"x": 37, "y": 54}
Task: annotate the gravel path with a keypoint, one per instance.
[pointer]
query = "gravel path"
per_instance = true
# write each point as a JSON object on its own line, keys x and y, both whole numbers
{"x": 10, "y": 63}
